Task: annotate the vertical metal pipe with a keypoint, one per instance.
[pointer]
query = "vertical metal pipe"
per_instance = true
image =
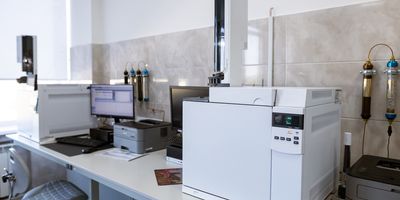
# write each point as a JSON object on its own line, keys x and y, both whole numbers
{"x": 219, "y": 35}
{"x": 270, "y": 67}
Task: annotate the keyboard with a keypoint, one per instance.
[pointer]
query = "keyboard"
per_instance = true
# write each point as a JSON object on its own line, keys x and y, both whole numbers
{"x": 86, "y": 142}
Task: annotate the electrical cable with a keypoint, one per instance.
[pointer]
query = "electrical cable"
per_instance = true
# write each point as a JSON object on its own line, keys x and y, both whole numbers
{"x": 388, "y": 147}
{"x": 363, "y": 136}
{"x": 389, "y": 131}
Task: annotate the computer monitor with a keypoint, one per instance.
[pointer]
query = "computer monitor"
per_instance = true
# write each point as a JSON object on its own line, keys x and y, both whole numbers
{"x": 114, "y": 101}
{"x": 177, "y": 95}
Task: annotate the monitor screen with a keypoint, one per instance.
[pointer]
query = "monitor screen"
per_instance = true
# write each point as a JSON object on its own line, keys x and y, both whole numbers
{"x": 112, "y": 101}
{"x": 177, "y": 95}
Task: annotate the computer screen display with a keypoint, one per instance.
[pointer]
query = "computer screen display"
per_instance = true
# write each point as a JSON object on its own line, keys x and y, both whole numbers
{"x": 112, "y": 101}
{"x": 177, "y": 95}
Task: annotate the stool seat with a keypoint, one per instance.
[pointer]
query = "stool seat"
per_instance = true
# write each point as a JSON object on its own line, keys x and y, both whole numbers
{"x": 56, "y": 190}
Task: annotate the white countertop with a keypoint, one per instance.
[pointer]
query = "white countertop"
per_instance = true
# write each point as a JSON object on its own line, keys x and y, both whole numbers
{"x": 134, "y": 178}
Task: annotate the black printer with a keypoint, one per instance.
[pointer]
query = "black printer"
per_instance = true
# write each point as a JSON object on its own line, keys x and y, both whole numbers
{"x": 374, "y": 178}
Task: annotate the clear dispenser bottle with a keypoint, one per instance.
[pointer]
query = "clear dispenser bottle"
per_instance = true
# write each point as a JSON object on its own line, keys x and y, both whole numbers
{"x": 391, "y": 72}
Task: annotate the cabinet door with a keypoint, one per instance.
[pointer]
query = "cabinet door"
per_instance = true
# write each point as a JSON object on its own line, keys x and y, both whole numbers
{"x": 226, "y": 149}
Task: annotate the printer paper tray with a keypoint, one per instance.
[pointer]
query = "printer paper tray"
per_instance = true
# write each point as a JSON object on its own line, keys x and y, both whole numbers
{"x": 366, "y": 192}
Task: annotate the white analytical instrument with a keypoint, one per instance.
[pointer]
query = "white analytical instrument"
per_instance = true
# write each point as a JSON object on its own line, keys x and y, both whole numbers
{"x": 262, "y": 143}
{"x": 54, "y": 111}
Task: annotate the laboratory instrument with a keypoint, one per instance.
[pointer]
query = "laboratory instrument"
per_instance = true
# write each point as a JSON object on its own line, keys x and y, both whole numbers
{"x": 262, "y": 143}
{"x": 368, "y": 72}
{"x": 133, "y": 76}
{"x": 27, "y": 56}
{"x": 126, "y": 76}
{"x": 54, "y": 111}
{"x": 230, "y": 39}
{"x": 146, "y": 80}
{"x": 391, "y": 72}
{"x": 139, "y": 85}
{"x": 133, "y": 80}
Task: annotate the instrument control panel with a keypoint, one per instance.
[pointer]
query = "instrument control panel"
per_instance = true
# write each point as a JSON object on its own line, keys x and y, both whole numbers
{"x": 287, "y": 133}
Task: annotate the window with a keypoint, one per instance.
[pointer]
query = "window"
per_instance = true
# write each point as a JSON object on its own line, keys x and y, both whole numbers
{"x": 46, "y": 19}
{"x": 8, "y": 106}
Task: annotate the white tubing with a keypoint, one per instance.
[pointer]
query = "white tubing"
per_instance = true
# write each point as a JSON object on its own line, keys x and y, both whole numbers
{"x": 270, "y": 57}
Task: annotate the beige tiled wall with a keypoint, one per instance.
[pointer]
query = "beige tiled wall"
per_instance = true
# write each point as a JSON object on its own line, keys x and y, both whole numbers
{"x": 319, "y": 48}
{"x": 329, "y": 47}
{"x": 177, "y": 58}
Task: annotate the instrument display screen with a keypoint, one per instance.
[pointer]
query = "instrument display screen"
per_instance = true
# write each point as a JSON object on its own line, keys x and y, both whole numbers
{"x": 286, "y": 120}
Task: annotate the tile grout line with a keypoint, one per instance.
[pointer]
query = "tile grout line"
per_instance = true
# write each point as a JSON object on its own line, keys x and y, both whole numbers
{"x": 286, "y": 47}
{"x": 378, "y": 120}
{"x": 314, "y": 63}
{"x": 336, "y": 62}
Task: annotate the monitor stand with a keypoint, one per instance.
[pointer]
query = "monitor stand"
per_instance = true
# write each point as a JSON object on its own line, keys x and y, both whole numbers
{"x": 117, "y": 120}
